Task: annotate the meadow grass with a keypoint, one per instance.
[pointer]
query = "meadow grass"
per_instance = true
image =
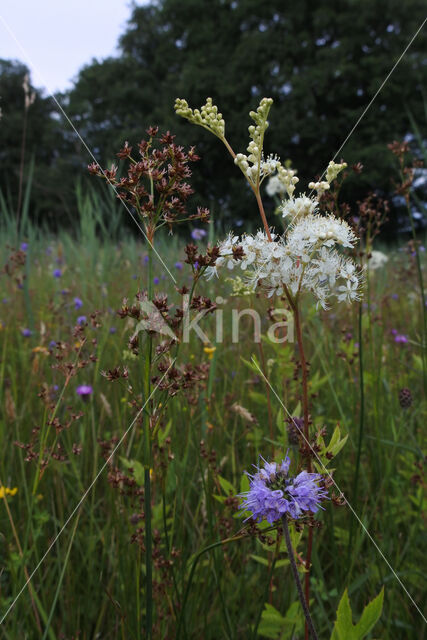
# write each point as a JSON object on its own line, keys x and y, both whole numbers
{"x": 91, "y": 583}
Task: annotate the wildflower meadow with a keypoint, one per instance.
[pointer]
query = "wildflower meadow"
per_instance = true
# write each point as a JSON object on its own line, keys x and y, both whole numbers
{"x": 213, "y": 430}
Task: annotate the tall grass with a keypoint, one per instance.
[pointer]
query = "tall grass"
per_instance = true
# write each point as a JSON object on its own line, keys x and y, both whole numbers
{"x": 217, "y": 585}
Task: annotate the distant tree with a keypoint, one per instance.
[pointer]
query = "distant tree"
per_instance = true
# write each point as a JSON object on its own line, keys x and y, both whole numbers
{"x": 42, "y": 141}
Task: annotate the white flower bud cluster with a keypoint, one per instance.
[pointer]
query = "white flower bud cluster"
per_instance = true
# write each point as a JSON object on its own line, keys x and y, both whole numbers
{"x": 253, "y": 165}
{"x": 208, "y": 116}
{"x": 319, "y": 187}
{"x": 304, "y": 258}
{"x": 334, "y": 169}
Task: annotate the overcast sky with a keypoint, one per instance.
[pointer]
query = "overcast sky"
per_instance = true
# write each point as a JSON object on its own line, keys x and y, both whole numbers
{"x": 59, "y": 36}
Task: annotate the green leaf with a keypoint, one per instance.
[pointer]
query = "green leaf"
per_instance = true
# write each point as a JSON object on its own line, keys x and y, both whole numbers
{"x": 138, "y": 470}
{"x": 226, "y": 486}
{"x": 370, "y": 615}
{"x": 344, "y": 628}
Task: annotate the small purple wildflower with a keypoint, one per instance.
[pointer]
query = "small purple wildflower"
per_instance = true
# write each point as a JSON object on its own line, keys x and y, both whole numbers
{"x": 65, "y": 292}
{"x": 81, "y": 319}
{"x": 78, "y": 303}
{"x": 178, "y": 265}
{"x": 156, "y": 280}
{"x": 84, "y": 390}
{"x": 400, "y": 338}
{"x": 24, "y": 246}
{"x": 196, "y": 265}
{"x": 198, "y": 234}
{"x": 146, "y": 259}
{"x": 57, "y": 273}
{"x": 52, "y": 344}
{"x": 26, "y": 333}
{"x": 5, "y": 300}
{"x": 273, "y": 493}
{"x": 395, "y": 296}
{"x": 134, "y": 276}
{"x": 113, "y": 330}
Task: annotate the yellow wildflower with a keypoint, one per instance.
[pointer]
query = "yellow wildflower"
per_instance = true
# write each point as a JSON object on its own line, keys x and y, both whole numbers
{"x": 210, "y": 351}
{"x": 5, "y": 491}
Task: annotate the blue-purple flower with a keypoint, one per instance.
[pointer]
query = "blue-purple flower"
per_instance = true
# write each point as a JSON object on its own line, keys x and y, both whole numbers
{"x": 272, "y": 492}
{"x": 81, "y": 320}
{"x": 24, "y": 246}
{"x": 78, "y": 303}
{"x": 198, "y": 234}
{"x": 84, "y": 390}
{"x": 156, "y": 280}
{"x": 57, "y": 273}
{"x": 178, "y": 265}
{"x": 26, "y": 333}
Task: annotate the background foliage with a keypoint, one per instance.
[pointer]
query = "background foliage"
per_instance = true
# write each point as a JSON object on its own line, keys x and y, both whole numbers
{"x": 322, "y": 63}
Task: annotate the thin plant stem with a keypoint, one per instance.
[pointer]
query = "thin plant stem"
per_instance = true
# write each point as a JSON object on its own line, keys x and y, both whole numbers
{"x": 304, "y": 603}
{"x": 361, "y": 427}
{"x": 147, "y": 468}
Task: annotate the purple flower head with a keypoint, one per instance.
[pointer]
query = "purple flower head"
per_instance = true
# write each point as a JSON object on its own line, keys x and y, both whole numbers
{"x": 198, "y": 234}
{"x": 156, "y": 280}
{"x": 178, "y": 265}
{"x": 272, "y": 492}
{"x": 52, "y": 344}
{"x": 196, "y": 265}
{"x": 146, "y": 259}
{"x": 5, "y": 300}
{"x": 84, "y": 390}
{"x": 26, "y": 333}
{"x": 24, "y": 246}
{"x": 81, "y": 319}
{"x": 78, "y": 303}
{"x": 395, "y": 296}
{"x": 113, "y": 330}
{"x": 57, "y": 273}
{"x": 400, "y": 338}
{"x": 134, "y": 276}
{"x": 65, "y": 292}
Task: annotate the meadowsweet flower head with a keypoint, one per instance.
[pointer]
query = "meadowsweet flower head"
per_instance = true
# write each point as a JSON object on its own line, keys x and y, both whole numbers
{"x": 273, "y": 493}
{"x": 377, "y": 260}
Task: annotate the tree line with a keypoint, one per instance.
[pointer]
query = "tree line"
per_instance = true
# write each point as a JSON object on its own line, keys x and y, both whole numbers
{"x": 320, "y": 62}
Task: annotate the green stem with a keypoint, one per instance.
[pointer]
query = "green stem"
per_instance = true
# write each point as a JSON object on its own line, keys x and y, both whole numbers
{"x": 361, "y": 427}
{"x": 309, "y": 621}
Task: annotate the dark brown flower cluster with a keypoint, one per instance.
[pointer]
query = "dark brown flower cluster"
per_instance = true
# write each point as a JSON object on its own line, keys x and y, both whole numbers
{"x": 156, "y": 184}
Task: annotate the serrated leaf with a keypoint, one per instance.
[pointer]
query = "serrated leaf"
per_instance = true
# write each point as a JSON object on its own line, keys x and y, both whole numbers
{"x": 370, "y": 616}
{"x": 344, "y": 629}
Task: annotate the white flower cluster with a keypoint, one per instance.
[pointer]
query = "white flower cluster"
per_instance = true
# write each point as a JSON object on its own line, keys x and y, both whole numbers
{"x": 304, "y": 258}
{"x": 377, "y": 260}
